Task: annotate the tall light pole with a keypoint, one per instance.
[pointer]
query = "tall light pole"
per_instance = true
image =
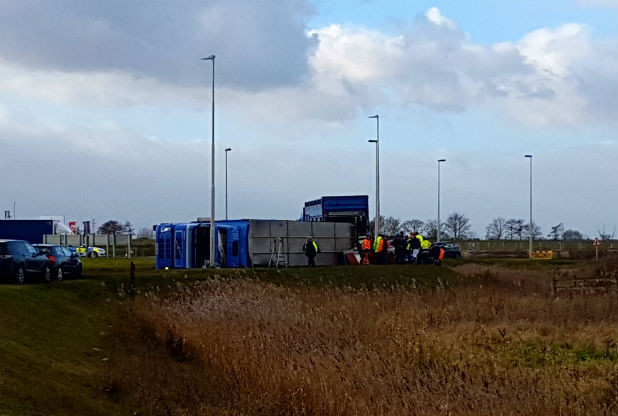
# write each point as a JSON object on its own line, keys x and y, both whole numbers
{"x": 377, "y": 142}
{"x": 212, "y": 168}
{"x": 439, "y": 224}
{"x": 530, "y": 229}
{"x": 229, "y": 149}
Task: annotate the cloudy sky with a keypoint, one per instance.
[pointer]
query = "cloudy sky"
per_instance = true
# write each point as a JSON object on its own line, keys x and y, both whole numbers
{"x": 105, "y": 108}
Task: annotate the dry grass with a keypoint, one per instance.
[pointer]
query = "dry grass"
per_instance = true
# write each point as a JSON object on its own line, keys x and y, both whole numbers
{"x": 499, "y": 346}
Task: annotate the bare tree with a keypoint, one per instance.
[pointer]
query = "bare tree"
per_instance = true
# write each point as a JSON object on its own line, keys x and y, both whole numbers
{"x": 457, "y": 225}
{"x": 514, "y": 228}
{"x": 606, "y": 235}
{"x": 571, "y": 235}
{"x": 391, "y": 226}
{"x": 496, "y": 229}
{"x": 412, "y": 226}
{"x": 128, "y": 227}
{"x": 430, "y": 229}
{"x": 510, "y": 229}
{"x": 556, "y": 232}
{"x": 535, "y": 230}
{"x": 388, "y": 225}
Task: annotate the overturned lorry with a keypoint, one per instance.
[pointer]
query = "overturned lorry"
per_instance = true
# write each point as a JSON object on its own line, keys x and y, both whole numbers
{"x": 250, "y": 243}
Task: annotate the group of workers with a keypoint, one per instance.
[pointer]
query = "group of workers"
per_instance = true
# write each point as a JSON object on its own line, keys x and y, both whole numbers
{"x": 376, "y": 251}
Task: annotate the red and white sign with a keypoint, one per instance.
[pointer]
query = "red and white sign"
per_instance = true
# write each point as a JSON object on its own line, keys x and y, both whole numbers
{"x": 596, "y": 242}
{"x": 73, "y": 226}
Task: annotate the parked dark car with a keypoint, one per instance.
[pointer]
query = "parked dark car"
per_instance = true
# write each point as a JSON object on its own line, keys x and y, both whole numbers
{"x": 451, "y": 250}
{"x": 20, "y": 260}
{"x": 62, "y": 261}
{"x": 430, "y": 255}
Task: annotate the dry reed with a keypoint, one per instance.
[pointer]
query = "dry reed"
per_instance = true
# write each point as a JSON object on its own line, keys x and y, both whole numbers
{"x": 243, "y": 347}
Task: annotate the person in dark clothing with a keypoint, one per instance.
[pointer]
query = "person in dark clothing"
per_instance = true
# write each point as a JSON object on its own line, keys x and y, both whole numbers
{"x": 413, "y": 247}
{"x": 400, "y": 249}
{"x": 311, "y": 250}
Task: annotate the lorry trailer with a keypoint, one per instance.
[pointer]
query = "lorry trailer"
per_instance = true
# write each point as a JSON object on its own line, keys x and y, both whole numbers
{"x": 352, "y": 209}
{"x": 250, "y": 243}
{"x": 31, "y": 231}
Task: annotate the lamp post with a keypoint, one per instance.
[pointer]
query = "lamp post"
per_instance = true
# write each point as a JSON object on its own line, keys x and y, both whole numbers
{"x": 377, "y": 142}
{"x": 229, "y": 149}
{"x": 530, "y": 229}
{"x": 212, "y": 168}
{"x": 439, "y": 224}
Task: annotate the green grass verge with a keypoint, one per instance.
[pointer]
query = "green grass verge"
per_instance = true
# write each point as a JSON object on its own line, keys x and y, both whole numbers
{"x": 115, "y": 272}
{"x": 51, "y": 349}
{"x": 524, "y": 264}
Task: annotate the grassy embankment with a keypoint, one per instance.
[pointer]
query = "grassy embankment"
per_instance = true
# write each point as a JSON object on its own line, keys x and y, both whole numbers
{"x": 56, "y": 340}
{"x": 342, "y": 340}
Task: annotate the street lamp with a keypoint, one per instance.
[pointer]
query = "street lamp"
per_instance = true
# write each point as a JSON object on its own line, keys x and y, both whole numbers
{"x": 212, "y": 168}
{"x": 439, "y": 224}
{"x": 530, "y": 230}
{"x": 229, "y": 149}
{"x": 377, "y": 142}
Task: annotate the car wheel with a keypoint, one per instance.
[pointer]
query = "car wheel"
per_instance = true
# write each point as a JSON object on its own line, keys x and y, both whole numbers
{"x": 20, "y": 275}
{"x": 95, "y": 254}
{"x": 59, "y": 274}
{"x": 47, "y": 274}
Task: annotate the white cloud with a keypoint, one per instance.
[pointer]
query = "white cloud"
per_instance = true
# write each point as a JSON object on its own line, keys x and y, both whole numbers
{"x": 551, "y": 76}
{"x": 435, "y": 16}
{"x": 546, "y": 78}
{"x": 95, "y": 89}
{"x": 554, "y": 51}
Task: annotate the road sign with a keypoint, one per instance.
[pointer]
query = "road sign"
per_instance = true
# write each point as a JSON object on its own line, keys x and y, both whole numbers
{"x": 596, "y": 242}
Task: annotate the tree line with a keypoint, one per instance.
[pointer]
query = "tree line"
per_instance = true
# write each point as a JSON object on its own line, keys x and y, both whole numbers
{"x": 457, "y": 226}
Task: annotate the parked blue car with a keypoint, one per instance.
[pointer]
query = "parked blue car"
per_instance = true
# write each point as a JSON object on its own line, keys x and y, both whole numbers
{"x": 61, "y": 260}
{"x": 19, "y": 260}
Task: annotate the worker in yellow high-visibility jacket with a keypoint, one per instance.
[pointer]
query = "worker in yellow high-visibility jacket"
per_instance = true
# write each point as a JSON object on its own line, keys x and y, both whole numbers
{"x": 311, "y": 250}
{"x": 380, "y": 247}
